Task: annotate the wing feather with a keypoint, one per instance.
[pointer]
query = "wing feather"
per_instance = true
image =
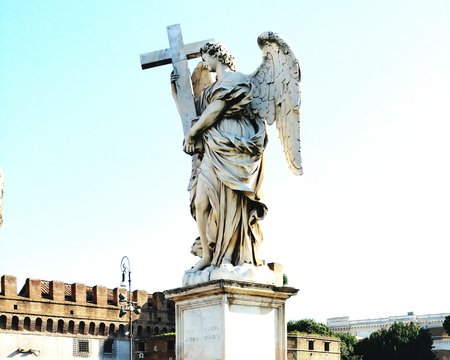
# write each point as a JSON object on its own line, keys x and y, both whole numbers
{"x": 276, "y": 96}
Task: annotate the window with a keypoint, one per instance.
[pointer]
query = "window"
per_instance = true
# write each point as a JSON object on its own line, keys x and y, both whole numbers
{"x": 38, "y": 325}
{"x": 81, "y": 327}
{"x": 326, "y": 346}
{"x": 139, "y": 331}
{"x": 101, "y": 329}
{"x": 112, "y": 329}
{"x": 71, "y": 327}
{"x": 91, "y": 328}
{"x": 3, "y": 322}
{"x": 81, "y": 347}
{"x": 60, "y": 326}
{"x": 140, "y": 346}
{"x": 15, "y": 323}
{"x": 49, "y": 327}
{"x": 310, "y": 345}
{"x": 121, "y": 330}
{"x": 27, "y": 324}
{"x": 148, "y": 331}
{"x": 108, "y": 346}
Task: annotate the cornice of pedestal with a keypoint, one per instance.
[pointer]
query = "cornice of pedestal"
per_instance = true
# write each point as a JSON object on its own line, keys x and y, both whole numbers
{"x": 230, "y": 287}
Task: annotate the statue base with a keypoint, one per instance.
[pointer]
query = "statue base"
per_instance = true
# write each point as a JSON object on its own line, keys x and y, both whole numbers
{"x": 230, "y": 320}
{"x": 271, "y": 274}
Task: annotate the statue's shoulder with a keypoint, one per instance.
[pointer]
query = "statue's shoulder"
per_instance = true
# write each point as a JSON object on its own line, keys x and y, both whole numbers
{"x": 235, "y": 77}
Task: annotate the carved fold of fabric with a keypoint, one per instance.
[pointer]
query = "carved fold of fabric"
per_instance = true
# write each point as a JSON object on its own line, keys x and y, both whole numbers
{"x": 231, "y": 171}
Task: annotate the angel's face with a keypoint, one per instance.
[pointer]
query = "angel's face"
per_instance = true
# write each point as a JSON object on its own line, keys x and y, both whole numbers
{"x": 210, "y": 61}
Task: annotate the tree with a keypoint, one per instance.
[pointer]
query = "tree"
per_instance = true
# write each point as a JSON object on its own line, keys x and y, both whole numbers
{"x": 446, "y": 325}
{"x": 308, "y": 326}
{"x": 400, "y": 342}
{"x": 348, "y": 342}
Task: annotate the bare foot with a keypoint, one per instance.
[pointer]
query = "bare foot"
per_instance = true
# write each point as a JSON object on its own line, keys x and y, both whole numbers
{"x": 226, "y": 263}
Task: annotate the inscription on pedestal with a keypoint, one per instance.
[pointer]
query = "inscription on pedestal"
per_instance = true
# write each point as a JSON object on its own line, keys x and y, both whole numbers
{"x": 203, "y": 333}
{"x": 210, "y": 333}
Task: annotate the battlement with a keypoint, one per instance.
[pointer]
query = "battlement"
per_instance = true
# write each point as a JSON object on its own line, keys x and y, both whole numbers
{"x": 58, "y": 291}
{"x": 59, "y": 309}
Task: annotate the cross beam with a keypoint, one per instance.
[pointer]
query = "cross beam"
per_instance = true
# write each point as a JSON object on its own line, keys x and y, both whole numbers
{"x": 178, "y": 55}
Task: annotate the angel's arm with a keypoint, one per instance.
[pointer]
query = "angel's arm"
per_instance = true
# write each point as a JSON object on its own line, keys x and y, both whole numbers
{"x": 173, "y": 86}
{"x": 207, "y": 119}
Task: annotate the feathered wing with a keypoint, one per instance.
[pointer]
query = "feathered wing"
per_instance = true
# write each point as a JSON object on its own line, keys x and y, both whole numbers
{"x": 276, "y": 95}
{"x": 201, "y": 78}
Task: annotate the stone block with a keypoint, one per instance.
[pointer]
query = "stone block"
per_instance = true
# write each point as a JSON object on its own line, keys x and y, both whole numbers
{"x": 9, "y": 285}
{"x": 33, "y": 289}
{"x": 140, "y": 296}
{"x": 100, "y": 294}
{"x": 79, "y": 293}
{"x": 56, "y": 289}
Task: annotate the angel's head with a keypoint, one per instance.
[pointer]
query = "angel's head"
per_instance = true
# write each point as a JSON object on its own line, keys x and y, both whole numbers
{"x": 219, "y": 52}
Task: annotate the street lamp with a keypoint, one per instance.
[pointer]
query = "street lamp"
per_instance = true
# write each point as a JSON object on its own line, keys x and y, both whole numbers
{"x": 128, "y": 305}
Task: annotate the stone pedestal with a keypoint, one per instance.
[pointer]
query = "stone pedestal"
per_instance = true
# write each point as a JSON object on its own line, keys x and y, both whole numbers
{"x": 230, "y": 320}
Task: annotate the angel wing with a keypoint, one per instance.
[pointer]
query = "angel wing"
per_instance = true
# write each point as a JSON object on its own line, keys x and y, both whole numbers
{"x": 201, "y": 78}
{"x": 276, "y": 95}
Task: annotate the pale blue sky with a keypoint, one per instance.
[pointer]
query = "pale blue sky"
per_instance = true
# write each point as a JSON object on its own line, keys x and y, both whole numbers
{"x": 90, "y": 146}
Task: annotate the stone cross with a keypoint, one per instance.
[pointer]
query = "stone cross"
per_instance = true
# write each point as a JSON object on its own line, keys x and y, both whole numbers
{"x": 178, "y": 54}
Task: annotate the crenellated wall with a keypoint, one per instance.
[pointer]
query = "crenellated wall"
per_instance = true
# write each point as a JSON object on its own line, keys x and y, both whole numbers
{"x": 57, "y": 308}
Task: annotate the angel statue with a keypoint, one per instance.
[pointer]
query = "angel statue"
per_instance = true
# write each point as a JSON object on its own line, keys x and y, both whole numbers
{"x": 227, "y": 142}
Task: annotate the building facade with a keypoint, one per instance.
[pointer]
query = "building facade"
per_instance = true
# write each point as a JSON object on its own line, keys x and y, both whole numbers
{"x": 54, "y": 320}
{"x": 313, "y": 347}
{"x": 363, "y": 328}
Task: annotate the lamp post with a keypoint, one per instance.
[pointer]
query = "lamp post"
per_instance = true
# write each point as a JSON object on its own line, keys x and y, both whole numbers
{"x": 130, "y": 306}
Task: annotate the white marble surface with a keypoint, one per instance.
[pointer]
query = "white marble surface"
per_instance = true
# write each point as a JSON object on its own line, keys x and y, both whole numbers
{"x": 247, "y": 272}
{"x": 229, "y": 320}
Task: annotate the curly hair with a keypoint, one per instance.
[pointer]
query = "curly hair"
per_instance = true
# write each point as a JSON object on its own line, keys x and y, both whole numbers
{"x": 218, "y": 51}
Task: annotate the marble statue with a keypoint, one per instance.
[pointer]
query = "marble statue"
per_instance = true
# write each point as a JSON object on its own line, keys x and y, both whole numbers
{"x": 227, "y": 141}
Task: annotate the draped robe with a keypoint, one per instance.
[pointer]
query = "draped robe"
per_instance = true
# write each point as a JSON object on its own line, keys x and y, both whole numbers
{"x": 231, "y": 171}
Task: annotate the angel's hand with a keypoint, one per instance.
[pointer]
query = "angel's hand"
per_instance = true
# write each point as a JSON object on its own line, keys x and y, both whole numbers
{"x": 189, "y": 144}
{"x": 173, "y": 82}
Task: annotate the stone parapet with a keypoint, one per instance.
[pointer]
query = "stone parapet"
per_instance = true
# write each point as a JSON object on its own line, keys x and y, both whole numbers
{"x": 9, "y": 285}
{"x": 79, "y": 293}
{"x": 33, "y": 289}
{"x": 100, "y": 295}
{"x": 57, "y": 308}
{"x": 56, "y": 290}
{"x": 140, "y": 297}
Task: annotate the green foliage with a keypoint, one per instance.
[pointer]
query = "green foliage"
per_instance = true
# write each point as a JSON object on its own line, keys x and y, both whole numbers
{"x": 348, "y": 342}
{"x": 399, "y": 342}
{"x": 167, "y": 334}
{"x": 446, "y": 325}
{"x": 308, "y": 326}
